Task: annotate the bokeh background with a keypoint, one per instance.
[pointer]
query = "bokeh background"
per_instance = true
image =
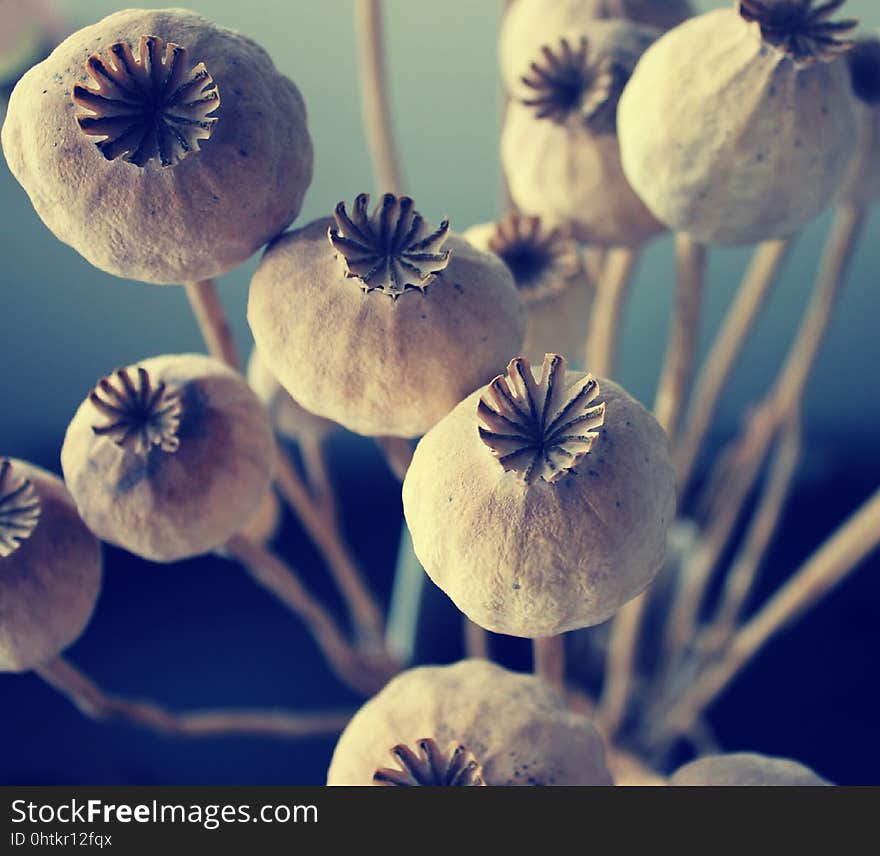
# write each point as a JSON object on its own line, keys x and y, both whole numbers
{"x": 197, "y": 634}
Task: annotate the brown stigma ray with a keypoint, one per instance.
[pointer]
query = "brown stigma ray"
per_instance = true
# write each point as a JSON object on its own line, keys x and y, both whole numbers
{"x": 431, "y": 767}
{"x": 391, "y": 250}
{"x": 19, "y": 509}
{"x": 540, "y": 429}
{"x": 152, "y": 108}
{"x": 800, "y": 28}
{"x": 140, "y": 416}
{"x": 541, "y": 260}
{"x": 566, "y": 82}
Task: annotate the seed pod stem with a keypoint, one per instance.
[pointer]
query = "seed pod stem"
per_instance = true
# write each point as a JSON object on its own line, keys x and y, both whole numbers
{"x": 549, "y": 660}
{"x": 682, "y": 343}
{"x": 93, "y": 702}
{"x": 476, "y": 640}
{"x": 762, "y": 274}
{"x": 375, "y": 103}
{"x": 829, "y": 565}
{"x": 607, "y": 316}
{"x": 398, "y": 454}
{"x": 212, "y": 321}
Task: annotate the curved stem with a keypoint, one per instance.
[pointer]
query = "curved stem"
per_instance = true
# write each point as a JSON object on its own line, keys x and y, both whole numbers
{"x": 314, "y": 460}
{"x": 842, "y": 553}
{"x": 93, "y": 702}
{"x": 398, "y": 454}
{"x": 375, "y": 102}
{"x": 549, "y": 659}
{"x": 756, "y": 286}
{"x": 607, "y": 314}
{"x": 683, "y": 335}
{"x": 212, "y": 321}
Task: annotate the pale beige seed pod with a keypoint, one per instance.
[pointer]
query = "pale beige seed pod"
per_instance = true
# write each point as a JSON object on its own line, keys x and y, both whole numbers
{"x": 169, "y": 458}
{"x": 744, "y": 768}
{"x": 738, "y": 126}
{"x": 542, "y": 503}
{"x": 50, "y": 568}
{"x": 559, "y": 146}
{"x": 380, "y": 322}
{"x": 862, "y": 184}
{"x": 291, "y": 420}
{"x": 528, "y": 25}
{"x": 160, "y": 146}
{"x": 471, "y": 723}
{"x": 549, "y": 271}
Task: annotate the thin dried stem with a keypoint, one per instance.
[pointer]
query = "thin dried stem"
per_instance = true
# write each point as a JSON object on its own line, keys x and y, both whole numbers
{"x": 830, "y": 565}
{"x": 398, "y": 454}
{"x": 549, "y": 659}
{"x": 282, "y": 581}
{"x": 314, "y": 461}
{"x": 683, "y": 335}
{"x": 322, "y": 525}
{"x": 212, "y": 321}
{"x": 476, "y": 640}
{"x": 375, "y": 101}
{"x": 93, "y": 702}
{"x": 756, "y": 286}
{"x": 606, "y": 318}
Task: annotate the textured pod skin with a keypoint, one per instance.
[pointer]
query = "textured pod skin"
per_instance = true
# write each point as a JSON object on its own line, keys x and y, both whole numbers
{"x": 515, "y": 725}
{"x": 744, "y": 768}
{"x": 195, "y": 220}
{"x": 376, "y": 365}
{"x": 289, "y": 418}
{"x": 528, "y": 25}
{"x": 548, "y": 558}
{"x": 166, "y": 506}
{"x": 49, "y": 585}
{"x": 725, "y": 138}
{"x": 556, "y": 320}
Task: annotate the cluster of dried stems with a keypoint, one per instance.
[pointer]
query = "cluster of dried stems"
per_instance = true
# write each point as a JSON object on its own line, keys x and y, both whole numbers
{"x": 701, "y": 650}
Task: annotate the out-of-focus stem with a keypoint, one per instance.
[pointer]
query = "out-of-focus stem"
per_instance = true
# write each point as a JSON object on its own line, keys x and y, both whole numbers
{"x": 683, "y": 335}
{"x": 476, "y": 640}
{"x": 398, "y": 453}
{"x": 607, "y": 314}
{"x": 842, "y": 553}
{"x": 93, "y": 702}
{"x": 756, "y": 286}
{"x": 212, "y": 321}
{"x": 549, "y": 660}
{"x": 375, "y": 102}
{"x": 314, "y": 460}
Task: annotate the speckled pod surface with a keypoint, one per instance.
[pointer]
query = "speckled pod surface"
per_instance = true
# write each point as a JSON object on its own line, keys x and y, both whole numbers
{"x": 543, "y": 558}
{"x": 378, "y": 365}
{"x": 515, "y": 726}
{"x": 725, "y": 137}
{"x": 745, "y": 769}
{"x": 50, "y": 582}
{"x": 170, "y": 505}
{"x": 195, "y": 218}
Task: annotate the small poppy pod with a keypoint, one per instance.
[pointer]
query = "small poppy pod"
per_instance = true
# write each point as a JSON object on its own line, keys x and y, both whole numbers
{"x": 380, "y": 322}
{"x": 862, "y": 184}
{"x": 290, "y": 419}
{"x": 50, "y": 567}
{"x": 559, "y": 146}
{"x": 169, "y": 458}
{"x": 541, "y": 503}
{"x": 744, "y": 768}
{"x": 738, "y": 126}
{"x": 160, "y": 146}
{"x": 528, "y": 25}
{"x": 471, "y": 723}
{"x": 549, "y": 272}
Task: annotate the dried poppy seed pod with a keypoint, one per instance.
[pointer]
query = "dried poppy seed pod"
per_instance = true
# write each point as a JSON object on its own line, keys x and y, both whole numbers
{"x": 50, "y": 568}
{"x": 471, "y": 723}
{"x": 291, "y": 420}
{"x": 528, "y": 25}
{"x": 161, "y": 147}
{"x": 744, "y": 768}
{"x": 419, "y": 317}
{"x": 542, "y": 503}
{"x": 738, "y": 126}
{"x": 549, "y": 272}
{"x": 862, "y": 184}
{"x": 559, "y": 146}
{"x": 169, "y": 458}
